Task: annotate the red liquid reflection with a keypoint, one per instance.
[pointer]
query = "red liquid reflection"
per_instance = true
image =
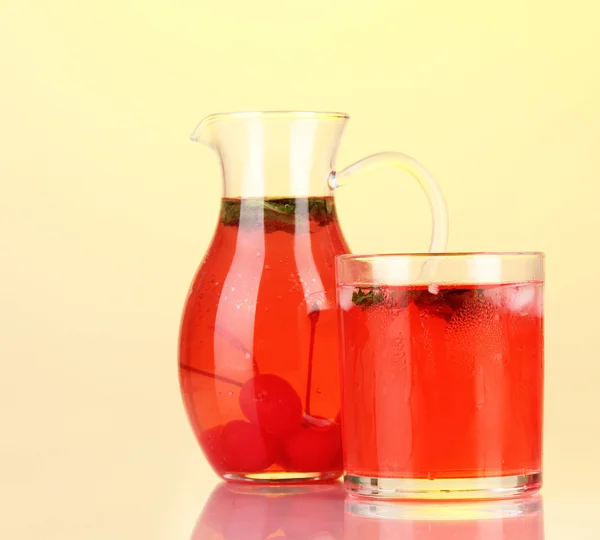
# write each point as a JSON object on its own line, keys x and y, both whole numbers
{"x": 323, "y": 512}
{"x": 498, "y": 520}
{"x": 240, "y": 512}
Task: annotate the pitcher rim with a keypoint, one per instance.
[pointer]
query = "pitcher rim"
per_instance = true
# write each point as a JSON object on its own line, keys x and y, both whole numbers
{"x": 274, "y": 113}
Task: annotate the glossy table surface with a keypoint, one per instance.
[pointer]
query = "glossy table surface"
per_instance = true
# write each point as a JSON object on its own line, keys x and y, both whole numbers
{"x": 325, "y": 512}
{"x": 213, "y": 510}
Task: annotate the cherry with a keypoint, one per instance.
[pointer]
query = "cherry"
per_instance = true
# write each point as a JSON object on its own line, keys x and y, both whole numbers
{"x": 314, "y": 447}
{"x": 245, "y": 448}
{"x": 210, "y": 441}
{"x": 270, "y": 402}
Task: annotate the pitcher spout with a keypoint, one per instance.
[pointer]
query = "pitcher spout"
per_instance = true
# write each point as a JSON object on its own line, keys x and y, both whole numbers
{"x": 204, "y": 132}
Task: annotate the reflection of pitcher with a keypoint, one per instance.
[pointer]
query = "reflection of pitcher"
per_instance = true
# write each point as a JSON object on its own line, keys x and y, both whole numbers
{"x": 236, "y": 512}
{"x": 258, "y": 344}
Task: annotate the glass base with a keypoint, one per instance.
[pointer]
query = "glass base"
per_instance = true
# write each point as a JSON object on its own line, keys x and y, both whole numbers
{"x": 283, "y": 477}
{"x": 479, "y": 488}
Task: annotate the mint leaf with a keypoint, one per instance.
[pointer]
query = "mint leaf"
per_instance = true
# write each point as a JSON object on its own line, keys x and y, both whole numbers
{"x": 367, "y": 297}
{"x": 277, "y": 214}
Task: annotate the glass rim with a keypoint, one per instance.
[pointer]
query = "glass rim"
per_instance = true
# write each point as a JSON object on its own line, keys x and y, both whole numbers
{"x": 439, "y": 255}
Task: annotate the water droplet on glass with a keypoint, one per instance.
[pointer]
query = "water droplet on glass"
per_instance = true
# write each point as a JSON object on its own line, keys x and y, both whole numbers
{"x": 225, "y": 297}
{"x": 319, "y": 390}
{"x": 237, "y": 306}
{"x": 232, "y": 289}
{"x": 267, "y": 267}
{"x": 279, "y": 297}
{"x": 247, "y": 356}
{"x": 258, "y": 253}
{"x": 230, "y": 394}
{"x": 246, "y": 300}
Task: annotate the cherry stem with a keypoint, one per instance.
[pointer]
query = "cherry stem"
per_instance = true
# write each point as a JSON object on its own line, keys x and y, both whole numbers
{"x": 211, "y": 375}
{"x": 314, "y": 317}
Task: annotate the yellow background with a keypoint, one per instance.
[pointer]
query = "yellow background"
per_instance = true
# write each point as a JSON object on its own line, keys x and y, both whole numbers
{"x": 106, "y": 209}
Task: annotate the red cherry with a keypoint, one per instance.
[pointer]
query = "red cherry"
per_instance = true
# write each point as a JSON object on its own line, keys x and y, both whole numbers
{"x": 210, "y": 441}
{"x": 314, "y": 448}
{"x": 271, "y": 403}
{"x": 245, "y": 448}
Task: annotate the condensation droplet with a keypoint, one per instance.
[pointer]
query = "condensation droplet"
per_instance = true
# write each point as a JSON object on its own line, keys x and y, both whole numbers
{"x": 246, "y": 300}
{"x": 237, "y": 306}
{"x": 232, "y": 289}
{"x": 247, "y": 356}
{"x": 258, "y": 253}
{"x": 279, "y": 297}
{"x": 225, "y": 297}
{"x": 319, "y": 390}
{"x": 267, "y": 267}
{"x": 230, "y": 394}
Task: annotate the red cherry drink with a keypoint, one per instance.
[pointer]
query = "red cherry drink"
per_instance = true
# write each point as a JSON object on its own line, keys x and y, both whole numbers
{"x": 259, "y": 367}
{"x": 442, "y": 383}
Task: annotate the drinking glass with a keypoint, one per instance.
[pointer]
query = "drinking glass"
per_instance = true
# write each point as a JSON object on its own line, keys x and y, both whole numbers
{"x": 442, "y": 374}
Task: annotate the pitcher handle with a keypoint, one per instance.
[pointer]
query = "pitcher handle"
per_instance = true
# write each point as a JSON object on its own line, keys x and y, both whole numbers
{"x": 439, "y": 235}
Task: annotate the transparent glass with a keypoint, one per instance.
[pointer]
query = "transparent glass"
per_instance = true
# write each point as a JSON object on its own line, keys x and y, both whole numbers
{"x": 258, "y": 356}
{"x": 442, "y": 374}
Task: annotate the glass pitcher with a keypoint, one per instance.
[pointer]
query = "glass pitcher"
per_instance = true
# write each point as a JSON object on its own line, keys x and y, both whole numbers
{"x": 258, "y": 353}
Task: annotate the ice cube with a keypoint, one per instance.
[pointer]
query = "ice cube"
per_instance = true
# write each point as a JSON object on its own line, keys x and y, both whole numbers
{"x": 521, "y": 299}
{"x": 434, "y": 288}
{"x": 345, "y": 297}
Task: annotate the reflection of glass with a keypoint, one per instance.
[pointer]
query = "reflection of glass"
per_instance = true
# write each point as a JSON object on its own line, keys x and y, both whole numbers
{"x": 258, "y": 353}
{"x": 243, "y": 512}
{"x": 442, "y": 358}
{"x": 520, "y": 519}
